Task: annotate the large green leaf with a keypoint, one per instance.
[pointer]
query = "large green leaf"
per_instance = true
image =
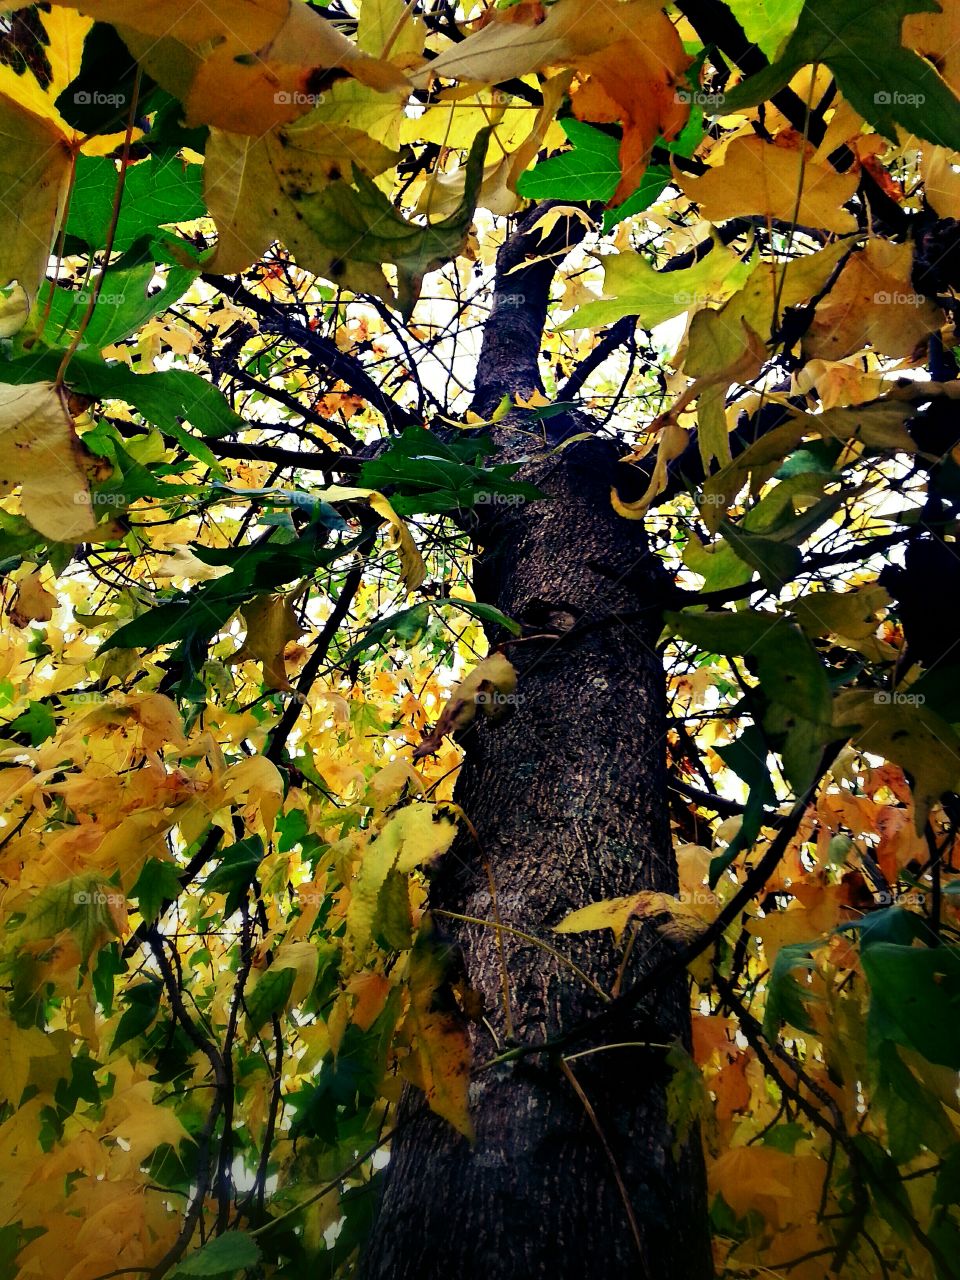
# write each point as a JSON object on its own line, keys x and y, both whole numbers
{"x": 226, "y": 1255}
{"x": 167, "y": 398}
{"x": 915, "y": 998}
{"x": 889, "y": 85}
{"x": 796, "y": 699}
{"x": 143, "y": 1004}
{"x": 426, "y": 474}
{"x": 156, "y": 192}
{"x": 124, "y": 305}
{"x": 590, "y": 170}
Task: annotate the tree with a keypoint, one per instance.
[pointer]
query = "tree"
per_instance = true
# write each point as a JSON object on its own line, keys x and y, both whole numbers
{"x": 480, "y": 744}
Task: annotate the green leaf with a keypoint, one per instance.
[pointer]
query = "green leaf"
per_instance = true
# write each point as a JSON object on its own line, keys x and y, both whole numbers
{"x": 37, "y": 722}
{"x": 269, "y": 996}
{"x": 792, "y": 678}
{"x": 14, "y": 1237}
{"x": 196, "y": 617}
{"x": 785, "y": 995}
{"x": 80, "y": 904}
{"x": 192, "y": 619}
{"x": 718, "y": 565}
{"x": 157, "y": 883}
{"x": 893, "y": 924}
{"x": 238, "y": 868}
{"x": 143, "y": 1004}
{"x": 359, "y": 224}
{"x": 226, "y": 1255}
{"x": 166, "y": 398}
{"x": 408, "y": 625}
{"x": 915, "y": 998}
{"x": 915, "y": 1118}
{"x": 908, "y": 733}
{"x": 156, "y": 192}
{"x": 747, "y": 757}
{"x": 589, "y": 171}
{"x": 777, "y": 563}
{"x": 485, "y": 612}
{"x": 426, "y": 474}
{"x": 767, "y": 23}
{"x": 889, "y": 85}
{"x": 656, "y": 178}
{"x": 789, "y": 670}
{"x": 633, "y": 287}
{"x": 122, "y": 307}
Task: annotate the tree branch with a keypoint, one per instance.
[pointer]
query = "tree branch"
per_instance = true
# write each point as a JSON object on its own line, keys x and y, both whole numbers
{"x": 347, "y": 368}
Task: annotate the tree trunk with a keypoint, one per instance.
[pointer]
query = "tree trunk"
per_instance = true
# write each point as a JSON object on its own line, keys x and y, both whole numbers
{"x": 573, "y": 1170}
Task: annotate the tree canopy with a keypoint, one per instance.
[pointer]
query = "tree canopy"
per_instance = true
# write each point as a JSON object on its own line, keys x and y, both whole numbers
{"x": 248, "y": 255}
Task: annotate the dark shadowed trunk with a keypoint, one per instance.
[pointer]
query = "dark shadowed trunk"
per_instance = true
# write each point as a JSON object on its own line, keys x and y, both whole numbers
{"x": 573, "y": 1171}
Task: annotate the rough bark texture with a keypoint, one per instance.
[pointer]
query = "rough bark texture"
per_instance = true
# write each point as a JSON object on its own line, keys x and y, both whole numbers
{"x": 568, "y": 796}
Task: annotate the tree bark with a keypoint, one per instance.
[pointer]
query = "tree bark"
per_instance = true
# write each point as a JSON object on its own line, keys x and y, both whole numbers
{"x": 570, "y": 1174}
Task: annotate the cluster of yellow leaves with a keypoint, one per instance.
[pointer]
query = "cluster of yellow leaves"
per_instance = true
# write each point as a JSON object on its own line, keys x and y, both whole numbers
{"x": 98, "y": 820}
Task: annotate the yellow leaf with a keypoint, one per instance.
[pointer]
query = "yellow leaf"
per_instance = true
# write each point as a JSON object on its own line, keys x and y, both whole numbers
{"x": 873, "y": 304}
{"x": 36, "y": 162}
{"x": 611, "y": 913}
{"x": 684, "y": 920}
{"x": 160, "y": 720}
{"x": 271, "y": 624}
{"x": 909, "y": 735}
{"x": 39, "y": 451}
{"x": 252, "y": 187}
{"x": 545, "y": 224}
{"x": 413, "y": 569}
{"x": 759, "y": 177}
{"x": 783, "y": 1188}
{"x": 371, "y": 991}
{"x": 33, "y": 602}
{"x": 489, "y": 688}
{"x": 631, "y": 52}
{"x": 21, "y": 1047}
{"x": 411, "y": 838}
{"x": 941, "y": 181}
{"x": 304, "y": 958}
{"x": 440, "y": 1061}
{"x": 442, "y": 1067}
{"x": 261, "y": 782}
{"x": 673, "y": 440}
{"x": 240, "y": 65}
{"x": 145, "y": 1124}
{"x": 631, "y": 286}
